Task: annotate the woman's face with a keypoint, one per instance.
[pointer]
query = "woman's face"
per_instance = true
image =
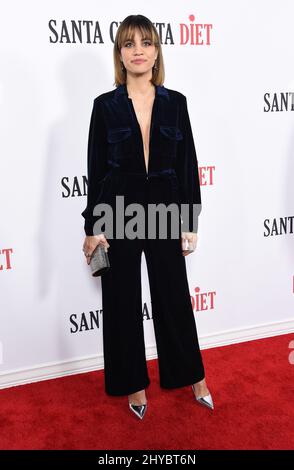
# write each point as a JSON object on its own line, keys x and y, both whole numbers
{"x": 138, "y": 56}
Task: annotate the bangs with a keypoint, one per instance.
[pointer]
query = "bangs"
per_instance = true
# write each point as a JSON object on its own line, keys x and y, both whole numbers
{"x": 128, "y": 34}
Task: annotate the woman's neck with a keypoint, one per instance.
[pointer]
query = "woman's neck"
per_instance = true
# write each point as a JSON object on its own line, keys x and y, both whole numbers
{"x": 140, "y": 90}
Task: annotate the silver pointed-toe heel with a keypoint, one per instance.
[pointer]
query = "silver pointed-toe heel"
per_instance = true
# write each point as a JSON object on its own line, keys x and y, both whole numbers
{"x": 139, "y": 410}
{"x": 206, "y": 400}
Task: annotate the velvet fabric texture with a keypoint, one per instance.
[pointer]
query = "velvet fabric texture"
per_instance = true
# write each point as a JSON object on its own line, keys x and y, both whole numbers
{"x": 116, "y": 164}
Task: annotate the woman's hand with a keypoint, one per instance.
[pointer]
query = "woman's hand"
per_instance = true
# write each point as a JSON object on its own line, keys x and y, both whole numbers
{"x": 90, "y": 243}
{"x": 189, "y": 242}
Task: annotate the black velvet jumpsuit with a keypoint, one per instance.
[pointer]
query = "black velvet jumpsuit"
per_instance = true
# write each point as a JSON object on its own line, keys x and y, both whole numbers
{"x": 116, "y": 166}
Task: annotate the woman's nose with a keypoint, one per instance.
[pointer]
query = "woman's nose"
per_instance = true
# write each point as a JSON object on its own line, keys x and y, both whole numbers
{"x": 137, "y": 49}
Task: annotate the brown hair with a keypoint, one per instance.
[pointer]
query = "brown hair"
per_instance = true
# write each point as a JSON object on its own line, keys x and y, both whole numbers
{"x": 126, "y": 30}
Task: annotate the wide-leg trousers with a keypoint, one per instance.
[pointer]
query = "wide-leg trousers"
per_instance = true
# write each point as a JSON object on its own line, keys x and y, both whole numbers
{"x": 179, "y": 356}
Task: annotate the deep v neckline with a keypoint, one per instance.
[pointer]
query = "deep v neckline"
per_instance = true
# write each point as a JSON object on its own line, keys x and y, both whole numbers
{"x": 146, "y": 166}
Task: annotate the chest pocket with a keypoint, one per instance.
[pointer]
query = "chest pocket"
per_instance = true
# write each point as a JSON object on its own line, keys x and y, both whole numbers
{"x": 120, "y": 142}
{"x": 169, "y": 137}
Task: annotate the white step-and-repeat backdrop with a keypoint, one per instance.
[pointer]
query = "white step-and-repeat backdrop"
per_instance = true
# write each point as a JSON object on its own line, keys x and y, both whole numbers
{"x": 233, "y": 61}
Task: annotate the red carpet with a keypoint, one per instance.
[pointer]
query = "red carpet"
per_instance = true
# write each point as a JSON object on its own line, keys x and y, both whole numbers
{"x": 251, "y": 384}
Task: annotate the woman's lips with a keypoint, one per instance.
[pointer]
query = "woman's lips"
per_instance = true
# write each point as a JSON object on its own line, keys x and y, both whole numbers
{"x": 138, "y": 61}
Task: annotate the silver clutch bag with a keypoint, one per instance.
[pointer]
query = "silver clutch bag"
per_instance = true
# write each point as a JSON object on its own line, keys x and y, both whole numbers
{"x": 99, "y": 261}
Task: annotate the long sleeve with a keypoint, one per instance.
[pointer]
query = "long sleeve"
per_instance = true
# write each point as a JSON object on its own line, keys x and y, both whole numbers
{"x": 187, "y": 172}
{"x": 96, "y": 163}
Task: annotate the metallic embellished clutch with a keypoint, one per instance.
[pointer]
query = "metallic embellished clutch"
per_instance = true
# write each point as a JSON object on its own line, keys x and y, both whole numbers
{"x": 99, "y": 262}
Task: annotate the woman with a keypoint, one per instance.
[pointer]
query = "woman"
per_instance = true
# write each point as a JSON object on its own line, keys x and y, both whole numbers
{"x": 141, "y": 147}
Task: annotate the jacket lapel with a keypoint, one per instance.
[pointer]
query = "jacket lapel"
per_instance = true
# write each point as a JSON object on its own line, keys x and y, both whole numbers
{"x": 121, "y": 98}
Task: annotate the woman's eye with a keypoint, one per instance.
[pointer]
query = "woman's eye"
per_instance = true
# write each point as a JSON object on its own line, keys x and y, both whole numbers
{"x": 145, "y": 42}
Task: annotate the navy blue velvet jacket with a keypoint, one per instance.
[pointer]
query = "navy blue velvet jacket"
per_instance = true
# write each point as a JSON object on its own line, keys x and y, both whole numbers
{"x": 116, "y": 164}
